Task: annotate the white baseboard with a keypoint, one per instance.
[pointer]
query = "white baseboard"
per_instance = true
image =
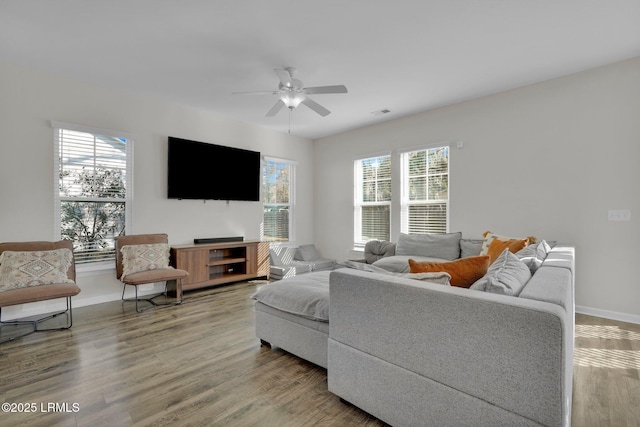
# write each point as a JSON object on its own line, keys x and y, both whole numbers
{"x": 614, "y": 315}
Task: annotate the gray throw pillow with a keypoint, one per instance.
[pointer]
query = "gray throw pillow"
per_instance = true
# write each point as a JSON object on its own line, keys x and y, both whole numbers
{"x": 307, "y": 253}
{"x": 376, "y": 249}
{"x": 470, "y": 247}
{"x": 444, "y": 246}
{"x": 507, "y": 276}
{"x": 534, "y": 255}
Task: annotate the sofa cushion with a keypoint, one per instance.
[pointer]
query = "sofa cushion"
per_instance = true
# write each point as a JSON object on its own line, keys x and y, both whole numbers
{"x": 464, "y": 272}
{"x": 144, "y": 257}
{"x": 321, "y": 264}
{"x": 445, "y": 246}
{"x": 376, "y": 249}
{"x": 534, "y": 255}
{"x": 306, "y": 296}
{"x": 306, "y": 253}
{"x": 498, "y": 246}
{"x": 507, "y": 276}
{"x": 470, "y": 247}
{"x": 21, "y": 269}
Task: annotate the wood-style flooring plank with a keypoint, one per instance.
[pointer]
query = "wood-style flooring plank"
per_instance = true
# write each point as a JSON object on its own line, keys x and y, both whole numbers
{"x": 606, "y": 385}
{"x": 200, "y": 364}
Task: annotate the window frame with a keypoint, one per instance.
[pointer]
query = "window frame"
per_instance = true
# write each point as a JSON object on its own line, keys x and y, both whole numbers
{"x": 406, "y": 203}
{"x": 101, "y": 266}
{"x": 291, "y": 205}
{"x": 358, "y": 240}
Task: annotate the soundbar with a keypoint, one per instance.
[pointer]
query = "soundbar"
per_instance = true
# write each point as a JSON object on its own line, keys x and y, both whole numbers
{"x": 218, "y": 240}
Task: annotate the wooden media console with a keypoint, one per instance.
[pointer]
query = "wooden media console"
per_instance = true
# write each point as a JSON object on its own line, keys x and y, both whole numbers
{"x": 220, "y": 263}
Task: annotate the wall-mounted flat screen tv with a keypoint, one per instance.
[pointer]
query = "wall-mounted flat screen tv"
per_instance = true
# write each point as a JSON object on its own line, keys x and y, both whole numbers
{"x": 198, "y": 170}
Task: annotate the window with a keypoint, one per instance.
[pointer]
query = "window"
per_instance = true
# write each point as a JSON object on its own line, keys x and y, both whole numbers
{"x": 93, "y": 199}
{"x": 278, "y": 190}
{"x": 425, "y": 191}
{"x": 372, "y": 216}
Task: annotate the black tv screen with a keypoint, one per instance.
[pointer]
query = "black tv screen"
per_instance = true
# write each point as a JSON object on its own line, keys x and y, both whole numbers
{"x": 198, "y": 170}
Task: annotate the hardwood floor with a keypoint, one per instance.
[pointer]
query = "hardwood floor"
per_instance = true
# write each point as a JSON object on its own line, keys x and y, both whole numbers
{"x": 606, "y": 373}
{"x": 200, "y": 364}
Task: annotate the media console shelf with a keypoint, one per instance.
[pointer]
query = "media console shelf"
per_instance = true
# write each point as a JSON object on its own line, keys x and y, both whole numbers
{"x": 220, "y": 263}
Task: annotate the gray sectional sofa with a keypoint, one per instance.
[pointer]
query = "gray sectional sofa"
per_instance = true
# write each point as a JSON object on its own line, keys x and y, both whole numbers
{"x": 416, "y": 353}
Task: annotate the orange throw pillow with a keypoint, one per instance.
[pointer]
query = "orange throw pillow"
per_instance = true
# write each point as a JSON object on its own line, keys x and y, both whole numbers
{"x": 498, "y": 246}
{"x": 464, "y": 271}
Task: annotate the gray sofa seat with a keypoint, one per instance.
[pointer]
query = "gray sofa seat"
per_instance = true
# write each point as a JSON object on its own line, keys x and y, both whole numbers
{"x": 293, "y": 314}
{"x": 290, "y": 261}
{"x": 429, "y": 354}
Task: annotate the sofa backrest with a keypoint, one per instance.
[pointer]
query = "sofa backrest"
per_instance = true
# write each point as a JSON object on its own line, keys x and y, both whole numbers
{"x": 515, "y": 353}
{"x": 282, "y": 255}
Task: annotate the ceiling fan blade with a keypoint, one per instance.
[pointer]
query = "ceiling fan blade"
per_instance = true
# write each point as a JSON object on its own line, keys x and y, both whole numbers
{"x": 325, "y": 89}
{"x": 274, "y": 110}
{"x": 257, "y": 92}
{"x": 316, "y": 107}
{"x": 285, "y": 76}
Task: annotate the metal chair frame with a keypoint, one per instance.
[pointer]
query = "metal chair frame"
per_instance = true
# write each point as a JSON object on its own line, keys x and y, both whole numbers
{"x": 150, "y": 299}
{"x": 34, "y": 323}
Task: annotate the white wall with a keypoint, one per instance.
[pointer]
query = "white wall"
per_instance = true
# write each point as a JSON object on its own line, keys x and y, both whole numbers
{"x": 29, "y": 100}
{"x": 548, "y": 160}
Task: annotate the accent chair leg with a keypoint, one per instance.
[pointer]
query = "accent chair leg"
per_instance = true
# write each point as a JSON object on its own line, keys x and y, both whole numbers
{"x": 34, "y": 323}
{"x": 150, "y": 299}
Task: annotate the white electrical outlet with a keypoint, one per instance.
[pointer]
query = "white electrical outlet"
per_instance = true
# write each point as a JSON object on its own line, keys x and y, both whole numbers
{"x": 619, "y": 215}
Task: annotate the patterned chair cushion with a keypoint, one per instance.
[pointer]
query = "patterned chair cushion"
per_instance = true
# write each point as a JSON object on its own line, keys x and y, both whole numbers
{"x": 21, "y": 269}
{"x": 136, "y": 258}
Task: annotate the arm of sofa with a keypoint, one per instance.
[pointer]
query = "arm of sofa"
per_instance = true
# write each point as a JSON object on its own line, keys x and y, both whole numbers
{"x": 503, "y": 350}
{"x": 376, "y": 249}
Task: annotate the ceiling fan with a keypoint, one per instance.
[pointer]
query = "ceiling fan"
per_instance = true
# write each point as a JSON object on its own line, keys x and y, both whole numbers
{"x": 291, "y": 93}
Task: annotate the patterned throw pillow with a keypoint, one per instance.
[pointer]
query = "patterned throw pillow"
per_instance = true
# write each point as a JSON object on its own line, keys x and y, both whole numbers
{"x": 21, "y": 269}
{"x": 489, "y": 237}
{"x": 136, "y": 258}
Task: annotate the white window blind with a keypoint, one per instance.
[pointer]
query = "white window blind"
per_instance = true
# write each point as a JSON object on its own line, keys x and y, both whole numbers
{"x": 372, "y": 201}
{"x": 425, "y": 191}
{"x": 278, "y": 183}
{"x": 93, "y": 198}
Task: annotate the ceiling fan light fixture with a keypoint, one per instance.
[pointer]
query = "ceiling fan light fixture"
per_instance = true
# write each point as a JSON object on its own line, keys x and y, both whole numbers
{"x": 292, "y": 100}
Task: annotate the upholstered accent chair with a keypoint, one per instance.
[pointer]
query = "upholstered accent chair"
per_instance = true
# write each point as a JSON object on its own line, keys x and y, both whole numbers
{"x": 142, "y": 259}
{"x": 36, "y": 271}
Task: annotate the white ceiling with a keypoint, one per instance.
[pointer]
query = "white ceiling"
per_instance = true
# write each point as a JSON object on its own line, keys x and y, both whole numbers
{"x": 405, "y": 55}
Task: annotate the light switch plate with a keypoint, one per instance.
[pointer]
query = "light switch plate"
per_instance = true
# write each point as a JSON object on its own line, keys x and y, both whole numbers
{"x": 619, "y": 215}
